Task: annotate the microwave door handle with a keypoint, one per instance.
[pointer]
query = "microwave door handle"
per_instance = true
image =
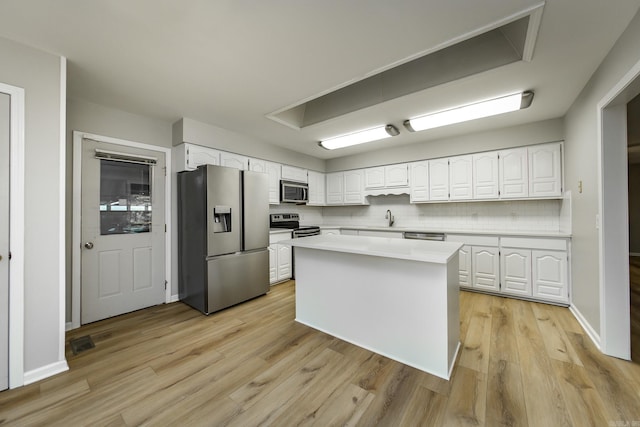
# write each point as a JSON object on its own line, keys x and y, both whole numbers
{"x": 305, "y": 194}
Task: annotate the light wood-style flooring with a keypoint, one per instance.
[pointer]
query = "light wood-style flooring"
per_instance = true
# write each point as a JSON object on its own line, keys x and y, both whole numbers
{"x": 634, "y": 275}
{"x": 521, "y": 364}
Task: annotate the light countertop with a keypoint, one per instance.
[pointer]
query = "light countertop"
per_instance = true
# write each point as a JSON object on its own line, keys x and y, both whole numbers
{"x": 515, "y": 233}
{"x": 413, "y": 250}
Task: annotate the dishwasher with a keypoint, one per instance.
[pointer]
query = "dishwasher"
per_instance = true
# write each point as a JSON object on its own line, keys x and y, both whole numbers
{"x": 439, "y": 237}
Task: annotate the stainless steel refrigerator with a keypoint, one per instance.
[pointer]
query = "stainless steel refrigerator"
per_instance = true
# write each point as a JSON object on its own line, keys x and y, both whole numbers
{"x": 223, "y": 227}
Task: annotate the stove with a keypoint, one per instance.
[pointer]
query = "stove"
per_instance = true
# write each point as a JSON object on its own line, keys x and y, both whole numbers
{"x": 292, "y": 221}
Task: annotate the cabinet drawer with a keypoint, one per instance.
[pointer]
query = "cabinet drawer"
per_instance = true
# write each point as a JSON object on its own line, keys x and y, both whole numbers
{"x": 534, "y": 243}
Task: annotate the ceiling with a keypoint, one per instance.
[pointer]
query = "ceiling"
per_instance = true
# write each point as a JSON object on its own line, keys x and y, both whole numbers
{"x": 232, "y": 63}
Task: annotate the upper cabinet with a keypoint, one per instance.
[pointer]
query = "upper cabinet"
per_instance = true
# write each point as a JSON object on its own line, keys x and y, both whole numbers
{"x": 460, "y": 178}
{"x": 291, "y": 173}
{"x": 396, "y": 175}
{"x": 273, "y": 171}
{"x": 257, "y": 165}
{"x": 545, "y": 179}
{"x": 346, "y": 188}
{"x": 374, "y": 177}
{"x": 439, "y": 179}
{"x": 419, "y": 181}
{"x": 317, "y": 193}
{"x": 232, "y": 160}
{"x": 485, "y": 175}
{"x": 188, "y": 157}
{"x": 335, "y": 188}
{"x": 514, "y": 173}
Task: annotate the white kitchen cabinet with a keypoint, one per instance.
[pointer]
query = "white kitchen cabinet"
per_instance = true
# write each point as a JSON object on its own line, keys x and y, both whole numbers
{"x": 485, "y": 175}
{"x": 461, "y": 178}
{"x": 515, "y": 271}
{"x": 374, "y": 177}
{"x": 284, "y": 262}
{"x": 545, "y": 170}
{"x": 273, "y": 264}
{"x": 439, "y": 179}
{"x": 279, "y": 258}
{"x": 189, "y": 156}
{"x": 335, "y": 188}
{"x": 292, "y": 173}
{"x": 396, "y": 175}
{"x": 232, "y": 160}
{"x": 257, "y": 165}
{"x": 317, "y": 193}
{"x": 514, "y": 173}
{"x": 354, "y": 187}
{"x": 273, "y": 171}
{"x": 419, "y": 182}
{"x": 464, "y": 266}
{"x": 550, "y": 275}
{"x": 485, "y": 262}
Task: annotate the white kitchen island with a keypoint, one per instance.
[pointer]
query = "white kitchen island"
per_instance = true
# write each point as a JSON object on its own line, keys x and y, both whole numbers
{"x": 398, "y": 298}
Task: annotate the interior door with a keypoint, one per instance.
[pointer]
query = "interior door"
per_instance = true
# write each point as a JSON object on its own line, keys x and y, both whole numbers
{"x": 123, "y": 229}
{"x": 4, "y": 239}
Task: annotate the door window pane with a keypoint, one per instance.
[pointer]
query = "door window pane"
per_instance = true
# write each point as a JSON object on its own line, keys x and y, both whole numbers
{"x": 125, "y": 197}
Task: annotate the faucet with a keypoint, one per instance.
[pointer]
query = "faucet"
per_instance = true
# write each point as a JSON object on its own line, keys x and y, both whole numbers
{"x": 389, "y": 217}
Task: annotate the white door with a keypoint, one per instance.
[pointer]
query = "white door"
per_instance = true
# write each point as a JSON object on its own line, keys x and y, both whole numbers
{"x": 545, "y": 178}
{"x": 485, "y": 175}
{"x": 514, "y": 175}
{"x": 515, "y": 267}
{"x": 353, "y": 187}
{"x": 316, "y": 188}
{"x": 273, "y": 170}
{"x": 123, "y": 230}
{"x": 374, "y": 177}
{"x": 439, "y": 179}
{"x": 420, "y": 181}
{"x": 460, "y": 178}
{"x": 257, "y": 165}
{"x": 335, "y": 188}
{"x": 396, "y": 175}
{"x": 197, "y": 156}
{"x": 464, "y": 266}
{"x": 4, "y": 239}
{"x": 284, "y": 262}
{"x": 485, "y": 263}
{"x": 550, "y": 275}
{"x": 231, "y": 160}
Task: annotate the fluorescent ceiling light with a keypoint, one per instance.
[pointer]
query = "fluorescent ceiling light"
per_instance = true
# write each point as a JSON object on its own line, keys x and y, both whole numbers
{"x": 359, "y": 137}
{"x": 465, "y": 113}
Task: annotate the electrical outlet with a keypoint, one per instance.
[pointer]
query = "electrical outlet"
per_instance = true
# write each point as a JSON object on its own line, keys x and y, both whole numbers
{"x": 580, "y": 186}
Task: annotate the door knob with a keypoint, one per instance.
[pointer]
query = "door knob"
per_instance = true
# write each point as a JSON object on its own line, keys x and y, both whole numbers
{"x": 88, "y": 245}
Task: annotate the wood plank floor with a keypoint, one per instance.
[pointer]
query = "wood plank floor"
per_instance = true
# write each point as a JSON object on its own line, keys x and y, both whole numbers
{"x": 634, "y": 275}
{"x": 521, "y": 364}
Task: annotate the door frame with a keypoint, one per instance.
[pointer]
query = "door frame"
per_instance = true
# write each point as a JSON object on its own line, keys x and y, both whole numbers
{"x": 16, "y": 242}
{"x": 76, "y": 239}
{"x": 613, "y": 229}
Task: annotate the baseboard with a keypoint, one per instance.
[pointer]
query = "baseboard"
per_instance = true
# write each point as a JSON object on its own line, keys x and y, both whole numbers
{"x": 595, "y": 337}
{"x": 174, "y": 298}
{"x": 45, "y": 372}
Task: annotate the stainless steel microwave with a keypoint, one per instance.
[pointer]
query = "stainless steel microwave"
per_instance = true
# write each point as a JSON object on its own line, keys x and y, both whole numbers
{"x": 294, "y": 192}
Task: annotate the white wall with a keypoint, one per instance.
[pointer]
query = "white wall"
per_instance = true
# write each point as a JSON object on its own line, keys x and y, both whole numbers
{"x": 532, "y": 133}
{"x": 581, "y": 164}
{"x": 39, "y": 74}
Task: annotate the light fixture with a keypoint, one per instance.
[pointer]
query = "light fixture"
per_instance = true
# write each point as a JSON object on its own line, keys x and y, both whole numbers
{"x": 359, "y": 137}
{"x": 487, "y": 108}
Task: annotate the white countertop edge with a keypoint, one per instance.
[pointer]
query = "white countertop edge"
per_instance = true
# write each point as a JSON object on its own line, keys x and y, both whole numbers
{"x": 557, "y": 234}
{"x": 411, "y": 250}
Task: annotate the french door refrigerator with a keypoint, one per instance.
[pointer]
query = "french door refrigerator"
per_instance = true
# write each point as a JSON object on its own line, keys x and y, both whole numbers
{"x": 223, "y": 234}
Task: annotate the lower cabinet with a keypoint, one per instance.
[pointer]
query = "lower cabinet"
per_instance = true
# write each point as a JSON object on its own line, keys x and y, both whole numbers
{"x": 279, "y": 258}
{"x": 533, "y": 268}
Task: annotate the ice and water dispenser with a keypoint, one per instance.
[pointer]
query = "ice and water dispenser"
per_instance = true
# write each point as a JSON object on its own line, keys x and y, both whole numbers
{"x": 221, "y": 219}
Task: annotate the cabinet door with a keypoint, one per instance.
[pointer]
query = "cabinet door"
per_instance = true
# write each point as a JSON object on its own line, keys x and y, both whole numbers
{"x": 550, "y": 275}
{"x": 485, "y": 264}
{"x": 273, "y": 263}
{"x": 273, "y": 170}
{"x": 514, "y": 173}
{"x": 419, "y": 181}
{"x": 545, "y": 178}
{"x": 291, "y": 173}
{"x": 439, "y": 179}
{"x": 197, "y": 155}
{"x": 354, "y": 187}
{"x": 464, "y": 260}
{"x": 257, "y": 165}
{"x": 396, "y": 175}
{"x": 335, "y": 188}
{"x": 460, "y": 178}
{"x": 515, "y": 266}
{"x": 284, "y": 262}
{"x": 316, "y": 188}
{"x": 232, "y": 160}
{"x": 485, "y": 175}
{"x": 374, "y": 177}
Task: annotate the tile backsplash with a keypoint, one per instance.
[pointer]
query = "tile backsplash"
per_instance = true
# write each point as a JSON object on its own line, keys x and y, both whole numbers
{"x": 521, "y": 215}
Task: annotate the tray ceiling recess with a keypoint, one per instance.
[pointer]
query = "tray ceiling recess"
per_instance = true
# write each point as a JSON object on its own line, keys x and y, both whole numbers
{"x": 500, "y": 45}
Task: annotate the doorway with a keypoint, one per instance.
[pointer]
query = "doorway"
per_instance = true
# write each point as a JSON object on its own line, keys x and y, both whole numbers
{"x": 5, "y": 129}
{"x": 121, "y": 241}
{"x": 633, "y": 147}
